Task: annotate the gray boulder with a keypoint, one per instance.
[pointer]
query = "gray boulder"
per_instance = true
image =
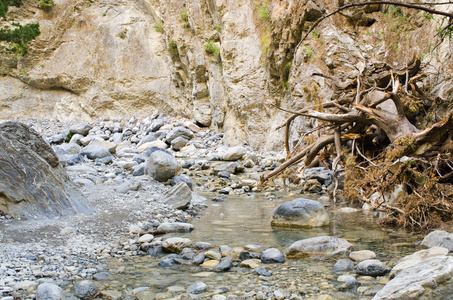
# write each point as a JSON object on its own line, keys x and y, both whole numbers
{"x": 234, "y": 153}
{"x": 179, "y": 131}
{"x": 228, "y": 167}
{"x": 224, "y": 265}
{"x": 429, "y": 279}
{"x": 81, "y": 128}
{"x": 175, "y": 227}
{"x": 156, "y": 125}
{"x": 31, "y": 182}
{"x": 178, "y": 143}
{"x": 49, "y": 291}
{"x": 320, "y": 174}
{"x": 372, "y": 267}
{"x": 343, "y": 265}
{"x": 84, "y": 289}
{"x": 182, "y": 178}
{"x": 197, "y": 288}
{"x": 272, "y": 255}
{"x": 415, "y": 258}
{"x": 162, "y": 166}
{"x": 95, "y": 152}
{"x": 320, "y": 245}
{"x": 300, "y": 212}
{"x": 439, "y": 238}
{"x": 179, "y": 196}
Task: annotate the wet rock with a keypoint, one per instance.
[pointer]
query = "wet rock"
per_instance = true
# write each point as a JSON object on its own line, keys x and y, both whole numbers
{"x": 157, "y": 143}
{"x": 372, "y": 267}
{"x": 312, "y": 185}
{"x": 250, "y": 263}
{"x": 262, "y": 272}
{"x": 224, "y": 265}
{"x": 84, "y": 289}
{"x": 166, "y": 262}
{"x": 228, "y": 167}
{"x": 49, "y": 291}
{"x": 146, "y": 238}
{"x": 234, "y": 153}
{"x": 343, "y": 265}
{"x": 156, "y": 125}
{"x": 162, "y": 166}
{"x": 429, "y": 279}
{"x": 362, "y": 255}
{"x": 179, "y": 196}
{"x": 320, "y": 174}
{"x": 439, "y": 238}
{"x": 272, "y": 255}
{"x": 415, "y": 258}
{"x": 175, "y": 227}
{"x": 182, "y": 178}
{"x": 176, "y": 244}
{"x": 198, "y": 259}
{"x": 321, "y": 245}
{"x": 300, "y": 212}
{"x": 178, "y": 143}
{"x": 179, "y": 132}
{"x": 102, "y": 276}
{"x": 197, "y": 288}
{"x": 210, "y": 263}
{"x": 130, "y": 185}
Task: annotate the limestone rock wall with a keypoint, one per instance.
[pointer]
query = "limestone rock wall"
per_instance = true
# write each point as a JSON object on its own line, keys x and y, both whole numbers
{"x": 221, "y": 62}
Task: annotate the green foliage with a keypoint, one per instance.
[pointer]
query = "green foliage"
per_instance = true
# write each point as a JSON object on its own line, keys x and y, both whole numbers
{"x": 218, "y": 28}
{"x": 173, "y": 49}
{"x": 69, "y": 136}
{"x": 428, "y": 16}
{"x": 45, "y": 3}
{"x": 211, "y": 48}
{"x": 315, "y": 33}
{"x": 446, "y": 31}
{"x": 186, "y": 25}
{"x": 5, "y": 4}
{"x": 263, "y": 11}
{"x": 184, "y": 15}
{"x": 288, "y": 65}
{"x": 19, "y": 36}
{"x": 158, "y": 28}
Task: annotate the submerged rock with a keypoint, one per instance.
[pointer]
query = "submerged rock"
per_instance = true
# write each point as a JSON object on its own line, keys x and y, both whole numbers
{"x": 300, "y": 212}
{"x": 372, "y": 267}
{"x": 320, "y": 245}
{"x": 439, "y": 238}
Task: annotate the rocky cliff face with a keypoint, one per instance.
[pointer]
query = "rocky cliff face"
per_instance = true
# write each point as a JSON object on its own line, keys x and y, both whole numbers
{"x": 223, "y": 63}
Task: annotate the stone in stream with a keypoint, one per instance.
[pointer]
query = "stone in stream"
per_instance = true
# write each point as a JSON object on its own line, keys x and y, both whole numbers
{"x": 95, "y": 152}
{"x": 343, "y": 265}
{"x": 198, "y": 259}
{"x": 262, "y": 272}
{"x": 179, "y": 132}
{"x": 439, "y": 238}
{"x": 372, "y": 267}
{"x": 431, "y": 278}
{"x": 234, "y": 153}
{"x": 272, "y": 255}
{"x": 416, "y": 258}
{"x": 50, "y": 291}
{"x": 224, "y": 265}
{"x": 320, "y": 245}
{"x": 300, "y": 212}
{"x": 362, "y": 255}
{"x": 32, "y": 184}
{"x": 84, "y": 289}
{"x": 162, "y": 166}
{"x": 182, "y": 178}
{"x": 80, "y": 128}
{"x": 197, "y": 288}
{"x": 176, "y": 244}
{"x": 175, "y": 227}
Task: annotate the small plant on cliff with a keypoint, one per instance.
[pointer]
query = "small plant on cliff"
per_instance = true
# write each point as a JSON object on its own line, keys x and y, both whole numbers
{"x": 5, "y": 4}
{"x": 264, "y": 11}
{"x": 173, "y": 50}
{"x": 45, "y": 3}
{"x": 158, "y": 28}
{"x": 212, "y": 48}
{"x": 185, "y": 15}
{"x": 19, "y": 36}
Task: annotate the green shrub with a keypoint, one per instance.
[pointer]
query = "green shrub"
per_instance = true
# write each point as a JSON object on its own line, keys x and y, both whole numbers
{"x": 184, "y": 15}
{"x": 158, "y": 28}
{"x": 173, "y": 49}
{"x": 19, "y": 36}
{"x": 45, "y": 3}
{"x": 263, "y": 11}
{"x": 5, "y": 4}
{"x": 211, "y": 48}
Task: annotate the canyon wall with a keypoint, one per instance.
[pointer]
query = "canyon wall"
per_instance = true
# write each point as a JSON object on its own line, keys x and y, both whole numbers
{"x": 223, "y": 63}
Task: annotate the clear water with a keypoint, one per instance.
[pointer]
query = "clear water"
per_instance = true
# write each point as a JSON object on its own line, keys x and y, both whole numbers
{"x": 242, "y": 220}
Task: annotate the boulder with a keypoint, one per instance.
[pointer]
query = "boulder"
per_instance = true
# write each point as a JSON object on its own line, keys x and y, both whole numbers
{"x": 179, "y": 196}
{"x": 50, "y": 291}
{"x": 431, "y": 278}
{"x": 439, "y": 238}
{"x": 300, "y": 212}
{"x": 84, "y": 289}
{"x": 175, "y": 227}
{"x": 176, "y": 244}
{"x": 362, "y": 255}
{"x": 157, "y": 143}
{"x": 320, "y": 245}
{"x": 415, "y": 258}
{"x": 272, "y": 255}
{"x": 197, "y": 288}
{"x": 156, "y": 125}
{"x": 321, "y": 174}
{"x": 180, "y": 131}
{"x": 372, "y": 267}
{"x": 224, "y": 265}
{"x": 95, "y": 152}
{"x": 234, "y": 153}
{"x": 178, "y": 143}
{"x": 80, "y": 128}
{"x": 162, "y": 166}
{"x": 32, "y": 184}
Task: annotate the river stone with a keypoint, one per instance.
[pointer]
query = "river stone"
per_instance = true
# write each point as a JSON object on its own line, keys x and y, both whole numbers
{"x": 439, "y": 238}
{"x": 84, "y": 289}
{"x": 197, "y": 287}
{"x": 162, "y": 166}
{"x": 157, "y": 143}
{"x": 178, "y": 143}
{"x": 146, "y": 238}
{"x": 105, "y": 144}
{"x": 320, "y": 245}
{"x": 234, "y": 153}
{"x": 95, "y": 151}
{"x": 224, "y": 265}
{"x": 179, "y": 196}
{"x": 321, "y": 174}
{"x": 212, "y": 255}
{"x": 156, "y": 125}
{"x": 69, "y": 148}
{"x": 251, "y": 263}
{"x": 372, "y": 267}
{"x": 175, "y": 227}
{"x": 31, "y": 182}
{"x": 343, "y": 265}
{"x": 80, "y": 128}
{"x": 210, "y": 263}
{"x": 176, "y": 244}
{"x": 300, "y": 212}
{"x": 272, "y": 255}
{"x": 177, "y": 132}
{"x": 49, "y": 291}
{"x": 362, "y": 255}
{"x": 182, "y": 178}
{"x": 431, "y": 278}
{"x": 198, "y": 259}
{"x": 416, "y": 258}
{"x": 228, "y": 167}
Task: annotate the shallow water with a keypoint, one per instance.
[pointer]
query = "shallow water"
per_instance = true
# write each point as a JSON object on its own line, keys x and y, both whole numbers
{"x": 242, "y": 220}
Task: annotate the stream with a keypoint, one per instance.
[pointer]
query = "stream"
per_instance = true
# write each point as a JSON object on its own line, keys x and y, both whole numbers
{"x": 243, "y": 220}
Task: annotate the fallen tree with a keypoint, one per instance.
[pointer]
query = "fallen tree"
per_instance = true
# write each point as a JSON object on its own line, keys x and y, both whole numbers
{"x": 370, "y": 112}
